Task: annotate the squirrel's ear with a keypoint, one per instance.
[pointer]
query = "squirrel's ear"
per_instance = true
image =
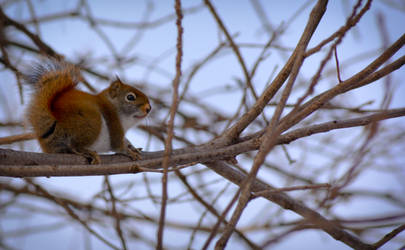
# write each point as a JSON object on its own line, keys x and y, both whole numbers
{"x": 118, "y": 79}
{"x": 114, "y": 88}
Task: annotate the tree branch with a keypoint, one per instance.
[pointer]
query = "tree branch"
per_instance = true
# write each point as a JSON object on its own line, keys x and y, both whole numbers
{"x": 28, "y": 164}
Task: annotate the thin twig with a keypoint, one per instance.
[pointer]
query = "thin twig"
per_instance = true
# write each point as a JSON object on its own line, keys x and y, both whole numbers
{"x": 170, "y": 126}
{"x": 296, "y": 188}
{"x": 234, "y": 47}
{"x": 71, "y": 213}
{"x": 115, "y": 213}
{"x": 337, "y": 65}
{"x": 389, "y": 236}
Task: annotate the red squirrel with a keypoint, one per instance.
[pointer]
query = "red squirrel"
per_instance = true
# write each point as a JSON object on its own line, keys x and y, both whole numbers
{"x": 67, "y": 120}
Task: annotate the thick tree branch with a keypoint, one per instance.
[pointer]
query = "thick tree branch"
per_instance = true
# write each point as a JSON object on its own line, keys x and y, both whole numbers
{"x": 288, "y": 203}
{"x": 27, "y": 164}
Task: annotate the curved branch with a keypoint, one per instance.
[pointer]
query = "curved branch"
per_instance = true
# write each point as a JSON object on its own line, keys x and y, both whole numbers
{"x": 28, "y": 164}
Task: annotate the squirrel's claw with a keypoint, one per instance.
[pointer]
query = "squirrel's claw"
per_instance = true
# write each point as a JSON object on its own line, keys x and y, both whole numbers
{"x": 131, "y": 152}
{"x": 134, "y": 153}
{"x": 91, "y": 156}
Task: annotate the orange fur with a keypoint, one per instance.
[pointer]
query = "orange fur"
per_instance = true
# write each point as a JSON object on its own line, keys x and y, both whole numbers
{"x": 67, "y": 120}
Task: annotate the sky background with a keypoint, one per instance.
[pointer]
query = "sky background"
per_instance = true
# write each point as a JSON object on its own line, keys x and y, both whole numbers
{"x": 73, "y": 38}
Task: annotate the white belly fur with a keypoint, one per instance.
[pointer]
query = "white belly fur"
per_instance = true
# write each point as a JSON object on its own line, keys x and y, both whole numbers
{"x": 102, "y": 144}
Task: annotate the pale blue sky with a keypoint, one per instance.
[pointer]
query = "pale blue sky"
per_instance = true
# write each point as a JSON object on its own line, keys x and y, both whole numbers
{"x": 72, "y": 38}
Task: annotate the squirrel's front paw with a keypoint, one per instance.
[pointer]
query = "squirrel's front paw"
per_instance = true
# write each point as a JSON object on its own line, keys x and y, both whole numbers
{"x": 134, "y": 153}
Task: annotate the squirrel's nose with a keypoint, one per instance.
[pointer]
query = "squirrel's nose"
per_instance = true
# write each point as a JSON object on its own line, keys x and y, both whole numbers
{"x": 148, "y": 108}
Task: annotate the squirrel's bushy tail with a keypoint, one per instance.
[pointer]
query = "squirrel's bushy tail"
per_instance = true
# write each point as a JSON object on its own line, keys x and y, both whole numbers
{"x": 42, "y": 73}
{"x": 48, "y": 79}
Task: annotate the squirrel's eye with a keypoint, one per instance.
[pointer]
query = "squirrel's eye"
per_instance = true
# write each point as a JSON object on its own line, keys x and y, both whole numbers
{"x": 131, "y": 97}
